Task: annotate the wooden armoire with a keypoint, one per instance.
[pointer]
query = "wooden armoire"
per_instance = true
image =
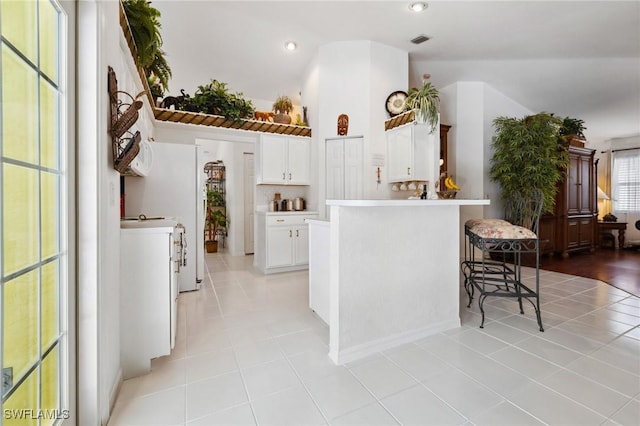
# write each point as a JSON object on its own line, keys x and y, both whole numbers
{"x": 573, "y": 224}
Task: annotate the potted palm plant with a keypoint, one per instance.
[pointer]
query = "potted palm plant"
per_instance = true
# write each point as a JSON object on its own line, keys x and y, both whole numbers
{"x": 215, "y": 219}
{"x": 528, "y": 155}
{"x": 282, "y": 107}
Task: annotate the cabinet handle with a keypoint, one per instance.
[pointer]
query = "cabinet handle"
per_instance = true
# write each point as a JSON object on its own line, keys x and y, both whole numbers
{"x": 297, "y": 233}
{"x": 279, "y": 220}
{"x": 408, "y": 170}
{"x": 289, "y": 176}
{"x": 283, "y": 178}
{"x": 290, "y": 233}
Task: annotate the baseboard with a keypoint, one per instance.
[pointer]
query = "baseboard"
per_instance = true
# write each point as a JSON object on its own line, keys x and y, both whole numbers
{"x": 365, "y": 349}
{"x": 115, "y": 391}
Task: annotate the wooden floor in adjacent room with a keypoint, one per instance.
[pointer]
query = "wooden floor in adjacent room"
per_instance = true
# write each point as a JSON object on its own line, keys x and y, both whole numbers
{"x": 620, "y": 268}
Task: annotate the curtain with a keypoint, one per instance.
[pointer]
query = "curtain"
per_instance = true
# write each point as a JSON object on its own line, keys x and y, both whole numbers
{"x": 625, "y": 181}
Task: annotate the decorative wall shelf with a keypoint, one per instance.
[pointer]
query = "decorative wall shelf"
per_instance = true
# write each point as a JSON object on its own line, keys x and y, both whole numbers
{"x": 187, "y": 117}
{"x": 399, "y": 120}
{"x": 123, "y": 114}
{"x": 198, "y": 118}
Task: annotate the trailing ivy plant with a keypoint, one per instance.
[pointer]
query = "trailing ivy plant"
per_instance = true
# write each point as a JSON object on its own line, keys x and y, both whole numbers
{"x": 528, "y": 154}
{"x": 144, "y": 21}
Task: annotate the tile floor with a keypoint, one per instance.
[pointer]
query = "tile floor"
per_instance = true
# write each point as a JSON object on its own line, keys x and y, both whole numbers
{"x": 250, "y": 351}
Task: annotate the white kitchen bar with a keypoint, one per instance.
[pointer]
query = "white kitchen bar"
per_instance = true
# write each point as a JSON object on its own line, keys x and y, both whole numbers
{"x": 394, "y": 274}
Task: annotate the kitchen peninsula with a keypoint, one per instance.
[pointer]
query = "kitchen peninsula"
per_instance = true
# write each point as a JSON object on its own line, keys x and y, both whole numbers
{"x": 394, "y": 273}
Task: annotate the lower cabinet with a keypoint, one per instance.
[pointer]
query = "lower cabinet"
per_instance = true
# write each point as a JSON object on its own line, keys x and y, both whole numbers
{"x": 283, "y": 242}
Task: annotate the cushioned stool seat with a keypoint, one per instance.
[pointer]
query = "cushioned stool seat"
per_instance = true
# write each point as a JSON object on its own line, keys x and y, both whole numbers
{"x": 499, "y": 239}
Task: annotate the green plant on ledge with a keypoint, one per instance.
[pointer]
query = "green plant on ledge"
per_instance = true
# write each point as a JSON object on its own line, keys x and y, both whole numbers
{"x": 572, "y": 127}
{"x": 144, "y": 21}
{"x": 214, "y": 98}
{"x": 528, "y": 154}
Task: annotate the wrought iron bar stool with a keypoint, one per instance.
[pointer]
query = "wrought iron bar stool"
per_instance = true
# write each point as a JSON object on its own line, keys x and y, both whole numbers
{"x": 497, "y": 271}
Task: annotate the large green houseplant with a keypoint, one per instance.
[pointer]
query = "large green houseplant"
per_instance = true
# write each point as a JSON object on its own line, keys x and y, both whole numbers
{"x": 144, "y": 21}
{"x": 215, "y": 98}
{"x": 528, "y": 155}
{"x": 216, "y": 220}
{"x": 425, "y": 101}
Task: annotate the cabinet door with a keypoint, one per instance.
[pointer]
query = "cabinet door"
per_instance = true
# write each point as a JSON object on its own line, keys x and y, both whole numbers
{"x": 273, "y": 154}
{"x": 573, "y": 185}
{"x": 587, "y": 230}
{"x": 399, "y": 154}
{"x": 301, "y": 255}
{"x": 334, "y": 152}
{"x": 353, "y": 168}
{"x": 298, "y": 161}
{"x": 585, "y": 186}
{"x": 279, "y": 246}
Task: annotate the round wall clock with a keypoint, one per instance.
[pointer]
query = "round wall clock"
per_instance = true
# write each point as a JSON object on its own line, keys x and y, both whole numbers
{"x": 396, "y": 103}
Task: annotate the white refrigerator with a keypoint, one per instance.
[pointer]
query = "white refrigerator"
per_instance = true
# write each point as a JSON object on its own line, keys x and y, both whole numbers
{"x": 171, "y": 189}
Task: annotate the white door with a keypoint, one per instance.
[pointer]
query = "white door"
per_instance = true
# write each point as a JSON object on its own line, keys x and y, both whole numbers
{"x": 299, "y": 159}
{"x": 249, "y": 208}
{"x": 399, "y": 153}
{"x": 279, "y": 246}
{"x": 353, "y": 169}
{"x": 301, "y": 255}
{"x": 273, "y": 154}
{"x": 334, "y": 169}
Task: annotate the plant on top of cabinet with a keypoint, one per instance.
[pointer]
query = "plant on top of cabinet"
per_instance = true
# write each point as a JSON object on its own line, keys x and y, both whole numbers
{"x": 144, "y": 21}
{"x": 528, "y": 155}
{"x": 215, "y": 98}
{"x": 572, "y": 128}
{"x": 282, "y": 107}
{"x": 426, "y": 102}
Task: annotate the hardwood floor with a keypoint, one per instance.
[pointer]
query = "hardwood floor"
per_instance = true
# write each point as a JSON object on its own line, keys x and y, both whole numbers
{"x": 619, "y": 268}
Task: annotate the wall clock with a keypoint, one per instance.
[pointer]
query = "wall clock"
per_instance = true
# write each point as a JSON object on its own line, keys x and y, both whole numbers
{"x": 396, "y": 103}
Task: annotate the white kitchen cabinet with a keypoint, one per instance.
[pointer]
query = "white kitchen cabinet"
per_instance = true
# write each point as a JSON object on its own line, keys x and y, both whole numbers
{"x": 413, "y": 153}
{"x": 148, "y": 296}
{"x": 282, "y": 241}
{"x": 344, "y": 168}
{"x": 283, "y": 160}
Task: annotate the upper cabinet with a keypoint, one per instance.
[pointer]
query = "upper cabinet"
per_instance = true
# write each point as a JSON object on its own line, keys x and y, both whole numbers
{"x": 413, "y": 153}
{"x": 283, "y": 160}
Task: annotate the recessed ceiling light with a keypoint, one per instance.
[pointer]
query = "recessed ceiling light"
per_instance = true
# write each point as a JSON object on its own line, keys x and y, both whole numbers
{"x": 418, "y": 7}
{"x": 290, "y": 45}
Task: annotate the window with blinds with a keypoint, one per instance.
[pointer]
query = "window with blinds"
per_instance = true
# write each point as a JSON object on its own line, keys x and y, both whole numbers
{"x": 625, "y": 181}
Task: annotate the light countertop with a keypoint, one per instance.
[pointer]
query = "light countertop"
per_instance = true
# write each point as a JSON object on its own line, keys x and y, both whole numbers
{"x": 408, "y": 203}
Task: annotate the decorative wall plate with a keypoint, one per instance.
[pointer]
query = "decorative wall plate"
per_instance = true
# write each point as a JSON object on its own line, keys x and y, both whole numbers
{"x": 396, "y": 103}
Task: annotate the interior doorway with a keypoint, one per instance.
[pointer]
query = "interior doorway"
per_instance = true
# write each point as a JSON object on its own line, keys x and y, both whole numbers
{"x": 249, "y": 201}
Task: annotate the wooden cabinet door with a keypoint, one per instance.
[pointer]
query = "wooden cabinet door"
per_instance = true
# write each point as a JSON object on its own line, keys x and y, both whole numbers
{"x": 400, "y": 154}
{"x": 573, "y": 184}
{"x": 279, "y": 246}
{"x": 273, "y": 154}
{"x": 301, "y": 245}
{"x": 298, "y": 161}
{"x": 586, "y": 185}
{"x": 587, "y": 231}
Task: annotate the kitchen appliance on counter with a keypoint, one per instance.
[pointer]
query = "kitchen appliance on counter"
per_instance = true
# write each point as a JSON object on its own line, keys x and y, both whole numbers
{"x": 286, "y": 205}
{"x": 299, "y": 204}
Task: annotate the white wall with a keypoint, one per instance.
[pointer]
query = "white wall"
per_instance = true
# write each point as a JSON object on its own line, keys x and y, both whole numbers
{"x": 231, "y": 155}
{"x": 470, "y": 108}
{"x": 353, "y": 78}
{"x": 226, "y": 145}
{"x": 100, "y": 46}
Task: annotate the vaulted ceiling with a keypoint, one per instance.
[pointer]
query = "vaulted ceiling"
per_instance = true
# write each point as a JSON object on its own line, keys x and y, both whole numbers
{"x": 573, "y": 58}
